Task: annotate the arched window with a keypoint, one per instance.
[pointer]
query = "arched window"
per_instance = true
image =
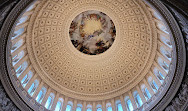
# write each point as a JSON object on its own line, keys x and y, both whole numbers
{"x": 89, "y": 107}
{"x": 49, "y": 101}
{"x": 17, "y": 45}
{"x": 17, "y": 57}
{"x": 30, "y": 7}
{"x": 18, "y": 32}
{"x": 41, "y": 95}
{"x": 165, "y": 53}
{"x": 22, "y": 20}
{"x": 99, "y": 107}
{"x": 108, "y": 107}
{"x": 163, "y": 64}
{"x": 152, "y": 84}
{"x": 166, "y": 65}
{"x": 156, "y": 15}
{"x": 158, "y": 74}
{"x": 69, "y": 106}
{"x": 166, "y": 40}
{"x": 119, "y": 106}
{"x": 21, "y": 68}
{"x": 137, "y": 99}
{"x": 26, "y": 79}
{"x": 145, "y": 91}
{"x": 59, "y": 105}
{"x": 33, "y": 87}
{"x": 79, "y": 107}
{"x": 161, "y": 75}
{"x": 129, "y": 105}
{"x": 162, "y": 27}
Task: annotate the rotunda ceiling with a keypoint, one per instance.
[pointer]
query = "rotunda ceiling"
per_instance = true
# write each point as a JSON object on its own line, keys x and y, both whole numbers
{"x": 86, "y": 75}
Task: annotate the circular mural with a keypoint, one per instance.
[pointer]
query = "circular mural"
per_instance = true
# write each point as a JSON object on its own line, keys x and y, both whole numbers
{"x": 92, "y": 32}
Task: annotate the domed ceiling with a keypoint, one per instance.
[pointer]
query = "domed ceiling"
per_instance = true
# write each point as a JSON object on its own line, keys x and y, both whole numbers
{"x": 130, "y": 46}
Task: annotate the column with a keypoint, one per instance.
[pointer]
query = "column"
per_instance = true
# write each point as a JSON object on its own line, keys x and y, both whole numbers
{"x": 132, "y": 100}
{"x": 148, "y": 87}
{"x": 160, "y": 69}
{"x": 22, "y": 36}
{"x": 163, "y": 57}
{"x": 22, "y": 25}
{"x": 113, "y": 105}
{"x": 38, "y": 89}
{"x": 123, "y": 103}
{"x": 155, "y": 79}
{"x": 94, "y": 107}
{"x": 30, "y": 82}
{"x": 84, "y": 106}
{"x": 55, "y": 102}
{"x": 20, "y": 62}
{"x": 166, "y": 47}
{"x": 25, "y": 72}
{"x": 74, "y": 105}
{"x": 65, "y": 104}
{"x": 18, "y": 50}
{"x": 46, "y": 96}
{"x": 141, "y": 94}
{"x": 103, "y": 106}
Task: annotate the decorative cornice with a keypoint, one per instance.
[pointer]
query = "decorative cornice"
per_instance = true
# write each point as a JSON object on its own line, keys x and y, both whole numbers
{"x": 180, "y": 101}
{"x": 4, "y": 33}
{"x": 8, "y": 14}
{"x": 181, "y": 55}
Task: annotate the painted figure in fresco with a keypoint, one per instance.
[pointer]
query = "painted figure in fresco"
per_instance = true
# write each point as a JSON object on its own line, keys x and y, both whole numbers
{"x": 92, "y": 32}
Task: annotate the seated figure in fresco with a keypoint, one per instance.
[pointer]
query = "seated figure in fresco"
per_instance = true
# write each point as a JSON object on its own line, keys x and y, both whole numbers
{"x": 98, "y": 36}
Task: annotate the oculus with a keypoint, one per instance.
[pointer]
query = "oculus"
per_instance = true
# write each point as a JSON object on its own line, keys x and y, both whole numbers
{"x": 92, "y": 32}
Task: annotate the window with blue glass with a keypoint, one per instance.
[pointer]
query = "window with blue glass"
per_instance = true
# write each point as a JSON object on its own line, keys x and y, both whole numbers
{"x": 22, "y": 20}
{"x": 89, "y": 109}
{"x": 69, "y": 107}
{"x": 78, "y": 109}
{"x": 33, "y": 87}
{"x": 18, "y": 32}
{"x": 138, "y": 100}
{"x": 147, "y": 94}
{"x": 119, "y": 107}
{"x": 161, "y": 75}
{"x": 26, "y": 78}
{"x": 48, "y": 103}
{"x": 109, "y": 108}
{"x": 58, "y": 106}
{"x": 154, "y": 83}
{"x": 41, "y": 95}
{"x": 129, "y": 105}
{"x": 99, "y": 109}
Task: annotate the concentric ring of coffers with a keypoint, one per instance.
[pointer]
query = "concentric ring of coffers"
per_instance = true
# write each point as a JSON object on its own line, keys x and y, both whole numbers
{"x": 129, "y": 63}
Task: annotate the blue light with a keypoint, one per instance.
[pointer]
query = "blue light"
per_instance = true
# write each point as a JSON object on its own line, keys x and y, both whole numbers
{"x": 58, "y": 106}
{"x": 147, "y": 92}
{"x": 139, "y": 100}
{"x": 48, "y": 103}
{"x": 78, "y": 109}
{"x": 89, "y": 109}
{"x": 155, "y": 85}
{"x": 109, "y": 108}
{"x": 99, "y": 109}
{"x": 120, "y": 107}
{"x": 68, "y": 108}
{"x": 30, "y": 89}
{"x": 130, "y": 106}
